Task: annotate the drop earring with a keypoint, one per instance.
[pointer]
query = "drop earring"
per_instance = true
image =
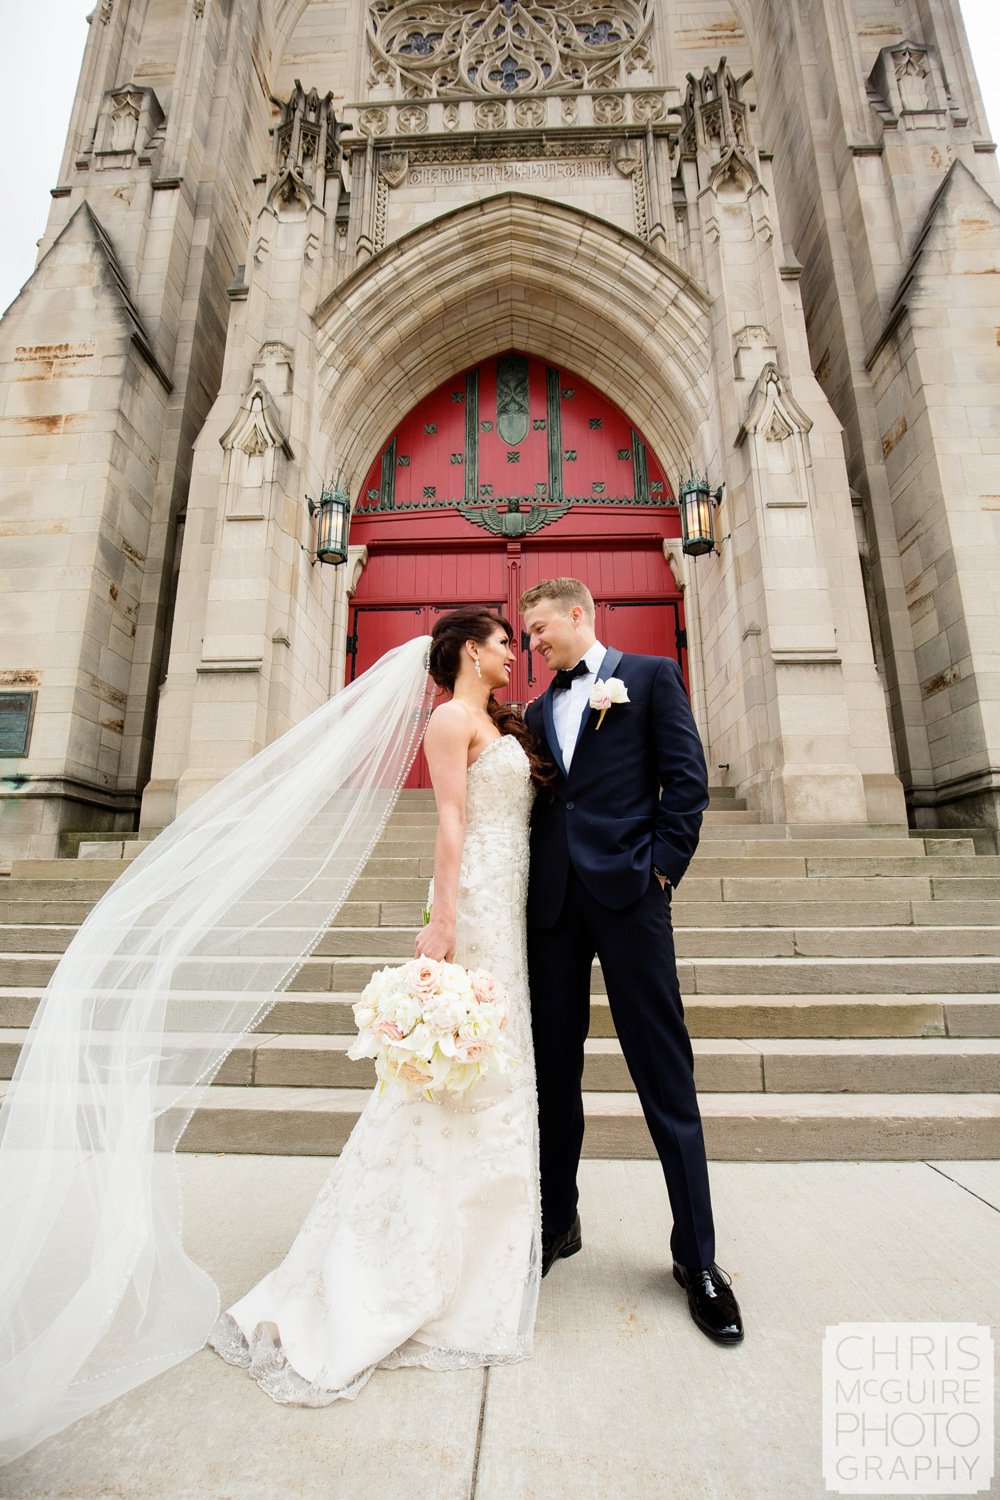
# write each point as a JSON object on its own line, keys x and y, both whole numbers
{"x": 479, "y": 670}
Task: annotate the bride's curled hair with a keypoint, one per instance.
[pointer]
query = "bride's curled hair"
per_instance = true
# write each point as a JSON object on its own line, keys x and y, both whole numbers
{"x": 474, "y": 622}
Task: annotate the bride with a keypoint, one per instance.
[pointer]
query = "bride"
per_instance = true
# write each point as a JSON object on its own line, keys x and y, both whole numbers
{"x": 422, "y": 1247}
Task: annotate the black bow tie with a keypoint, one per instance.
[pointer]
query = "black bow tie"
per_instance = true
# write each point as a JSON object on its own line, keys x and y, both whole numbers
{"x": 564, "y": 677}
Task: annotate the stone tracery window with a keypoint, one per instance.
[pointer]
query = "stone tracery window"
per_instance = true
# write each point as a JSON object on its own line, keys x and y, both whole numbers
{"x": 425, "y": 48}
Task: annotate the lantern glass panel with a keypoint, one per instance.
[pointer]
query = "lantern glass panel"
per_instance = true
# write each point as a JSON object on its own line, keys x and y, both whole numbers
{"x": 697, "y": 520}
{"x": 332, "y": 523}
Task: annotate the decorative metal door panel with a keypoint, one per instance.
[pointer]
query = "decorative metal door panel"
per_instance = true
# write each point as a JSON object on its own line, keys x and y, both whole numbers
{"x": 514, "y": 428}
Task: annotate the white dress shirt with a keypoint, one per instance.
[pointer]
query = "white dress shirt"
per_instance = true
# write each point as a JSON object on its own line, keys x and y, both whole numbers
{"x": 570, "y": 705}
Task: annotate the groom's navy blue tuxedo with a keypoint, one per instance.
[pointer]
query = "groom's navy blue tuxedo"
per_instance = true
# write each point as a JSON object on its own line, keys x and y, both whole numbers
{"x": 608, "y": 818}
{"x": 633, "y": 797}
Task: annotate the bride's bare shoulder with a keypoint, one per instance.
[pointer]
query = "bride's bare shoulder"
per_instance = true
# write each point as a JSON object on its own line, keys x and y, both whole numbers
{"x": 450, "y": 722}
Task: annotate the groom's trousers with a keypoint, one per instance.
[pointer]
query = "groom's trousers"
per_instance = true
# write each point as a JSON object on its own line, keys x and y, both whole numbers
{"x": 635, "y": 948}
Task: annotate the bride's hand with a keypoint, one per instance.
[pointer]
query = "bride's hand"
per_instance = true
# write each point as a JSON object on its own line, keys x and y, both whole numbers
{"x": 436, "y": 941}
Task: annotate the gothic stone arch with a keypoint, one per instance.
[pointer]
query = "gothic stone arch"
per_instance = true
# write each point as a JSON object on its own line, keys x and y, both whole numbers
{"x": 513, "y": 272}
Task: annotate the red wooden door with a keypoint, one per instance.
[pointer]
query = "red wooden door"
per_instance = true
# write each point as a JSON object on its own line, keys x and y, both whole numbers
{"x": 508, "y": 474}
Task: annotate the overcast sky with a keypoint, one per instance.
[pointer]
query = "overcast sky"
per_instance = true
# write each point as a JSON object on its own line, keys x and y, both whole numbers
{"x": 41, "y": 44}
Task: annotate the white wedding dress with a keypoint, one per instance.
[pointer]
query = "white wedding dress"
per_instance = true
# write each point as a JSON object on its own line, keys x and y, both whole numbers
{"x": 423, "y": 1245}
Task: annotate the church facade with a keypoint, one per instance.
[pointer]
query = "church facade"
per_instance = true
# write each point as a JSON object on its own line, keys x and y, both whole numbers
{"x": 502, "y": 278}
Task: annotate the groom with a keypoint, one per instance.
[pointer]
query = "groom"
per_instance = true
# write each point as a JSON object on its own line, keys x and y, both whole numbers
{"x": 607, "y": 849}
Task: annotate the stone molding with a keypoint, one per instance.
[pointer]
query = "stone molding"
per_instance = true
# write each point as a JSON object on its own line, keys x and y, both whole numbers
{"x": 638, "y": 106}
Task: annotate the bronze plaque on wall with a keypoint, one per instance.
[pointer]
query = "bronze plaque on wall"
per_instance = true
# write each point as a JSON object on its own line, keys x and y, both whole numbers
{"x": 16, "y": 713}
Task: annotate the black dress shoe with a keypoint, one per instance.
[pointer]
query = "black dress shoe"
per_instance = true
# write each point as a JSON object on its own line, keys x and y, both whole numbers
{"x": 713, "y": 1306}
{"x": 560, "y": 1246}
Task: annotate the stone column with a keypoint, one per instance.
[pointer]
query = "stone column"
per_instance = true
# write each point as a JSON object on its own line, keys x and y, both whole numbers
{"x": 252, "y": 639}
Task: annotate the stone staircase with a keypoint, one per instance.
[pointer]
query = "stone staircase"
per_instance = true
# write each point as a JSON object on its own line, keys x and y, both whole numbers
{"x": 840, "y": 984}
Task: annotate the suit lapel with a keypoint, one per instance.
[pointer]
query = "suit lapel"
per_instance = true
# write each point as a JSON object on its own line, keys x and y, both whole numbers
{"x": 609, "y": 665}
{"x": 607, "y": 669}
{"x": 550, "y": 728}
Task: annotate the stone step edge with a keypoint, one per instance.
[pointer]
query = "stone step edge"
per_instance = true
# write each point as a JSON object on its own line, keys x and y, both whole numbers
{"x": 723, "y": 1064}
{"x": 749, "y": 929}
{"x": 794, "y": 1016}
{"x": 784, "y": 1046}
{"x": 822, "y": 975}
{"x": 939, "y": 1106}
{"x": 382, "y": 960}
{"x": 400, "y": 929}
{"x": 690, "y": 915}
{"x": 742, "y": 1127}
{"x": 815, "y": 866}
{"x": 738, "y": 1127}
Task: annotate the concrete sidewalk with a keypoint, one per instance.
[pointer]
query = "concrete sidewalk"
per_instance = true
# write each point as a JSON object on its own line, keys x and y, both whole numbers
{"x": 623, "y": 1396}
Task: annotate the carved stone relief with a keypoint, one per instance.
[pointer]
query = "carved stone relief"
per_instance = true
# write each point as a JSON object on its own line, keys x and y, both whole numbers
{"x": 716, "y": 115}
{"x": 609, "y": 110}
{"x": 373, "y": 122}
{"x": 777, "y": 432}
{"x": 123, "y": 122}
{"x": 424, "y": 48}
{"x": 753, "y": 348}
{"x": 907, "y": 88}
{"x": 912, "y": 76}
{"x": 641, "y": 106}
{"x": 130, "y": 127}
{"x": 393, "y": 166}
{"x": 529, "y": 113}
{"x": 254, "y": 442}
{"x": 491, "y": 116}
{"x": 306, "y": 153}
{"x": 412, "y": 120}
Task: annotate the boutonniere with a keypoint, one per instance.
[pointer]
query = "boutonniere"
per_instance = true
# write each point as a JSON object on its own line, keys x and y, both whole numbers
{"x": 604, "y": 694}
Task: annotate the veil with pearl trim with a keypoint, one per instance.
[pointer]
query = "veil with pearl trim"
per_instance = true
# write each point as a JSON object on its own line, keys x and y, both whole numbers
{"x": 182, "y": 956}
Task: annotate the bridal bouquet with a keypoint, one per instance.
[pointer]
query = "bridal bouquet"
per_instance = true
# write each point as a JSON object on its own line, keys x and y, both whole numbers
{"x": 434, "y": 1027}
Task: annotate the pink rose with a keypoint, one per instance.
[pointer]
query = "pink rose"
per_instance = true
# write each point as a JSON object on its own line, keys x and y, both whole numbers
{"x": 472, "y": 1052}
{"x": 412, "y": 1072}
{"x": 422, "y": 977}
{"x": 600, "y": 697}
{"x": 391, "y": 1030}
{"x": 485, "y": 987}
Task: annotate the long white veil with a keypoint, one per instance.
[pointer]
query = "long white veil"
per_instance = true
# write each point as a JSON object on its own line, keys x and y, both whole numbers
{"x": 185, "y": 953}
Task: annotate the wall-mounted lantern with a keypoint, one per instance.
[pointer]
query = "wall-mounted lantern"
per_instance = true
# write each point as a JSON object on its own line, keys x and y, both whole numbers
{"x": 697, "y": 506}
{"x": 333, "y": 522}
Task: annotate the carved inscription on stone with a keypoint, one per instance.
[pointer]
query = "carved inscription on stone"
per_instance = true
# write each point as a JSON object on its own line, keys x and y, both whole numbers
{"x": 506, "y": 173}
{"x": 587, "y": 174}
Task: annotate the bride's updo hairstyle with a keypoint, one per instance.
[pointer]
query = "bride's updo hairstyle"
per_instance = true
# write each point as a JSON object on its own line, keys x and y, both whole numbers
{"x": 476, "y": 623}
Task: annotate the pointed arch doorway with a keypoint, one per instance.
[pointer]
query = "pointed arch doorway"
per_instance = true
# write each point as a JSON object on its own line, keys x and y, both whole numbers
{"x": 511, "y": 472}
